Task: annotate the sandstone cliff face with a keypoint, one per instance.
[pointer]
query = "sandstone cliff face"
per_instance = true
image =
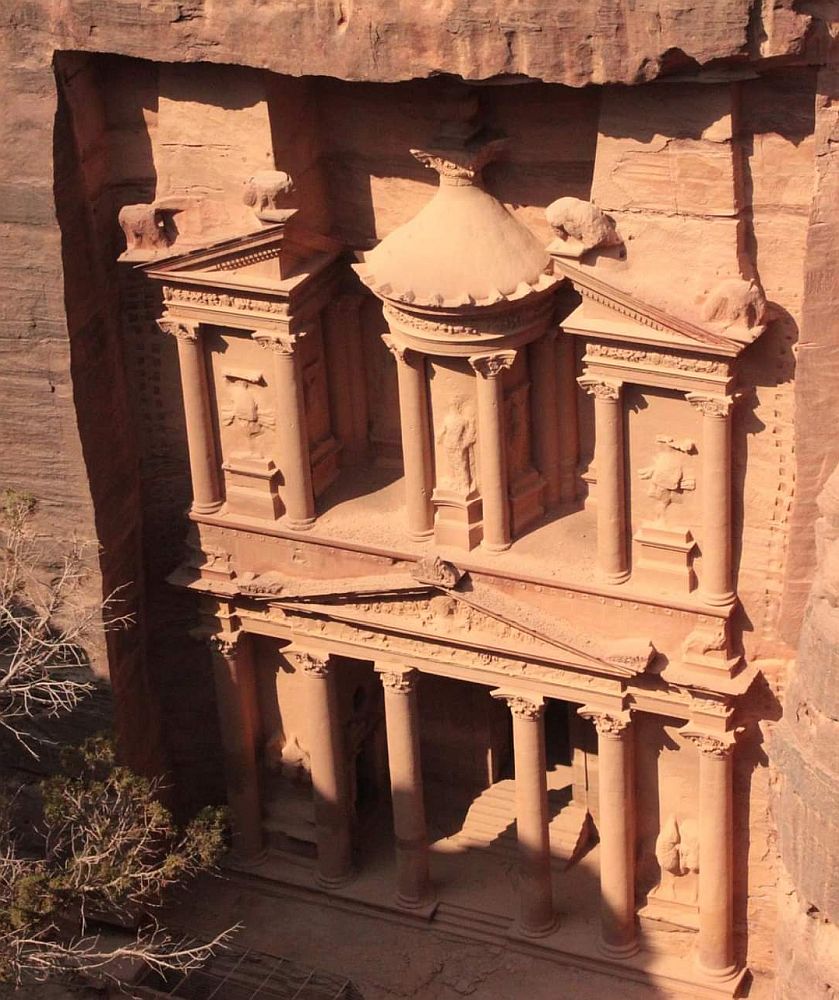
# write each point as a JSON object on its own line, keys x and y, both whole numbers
{"x": 743, "y": 175}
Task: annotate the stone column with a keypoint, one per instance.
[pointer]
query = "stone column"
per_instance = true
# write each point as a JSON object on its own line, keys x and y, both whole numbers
{"x": 413, "y": 887}
{"x": 616, "y": 826}
{"x": 291, "y": 429}
{"x": 716, "y": 585}
{"x": 416, "y": 438}
{"x": 567, "y": 391}
{"x": 203, "y": 460}
{"x": 609, "y": 463}
{"x": 546, "y": 417}
{"x": 715, "y": 946}
{"x": 329, "y": 775}
{"x": 536, "y": 912}
{"x": 492, "y": 448}
{"x": 238, "y": 711}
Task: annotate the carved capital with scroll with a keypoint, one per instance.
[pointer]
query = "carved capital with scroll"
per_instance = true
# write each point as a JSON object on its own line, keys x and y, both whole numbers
{"x": 711, "y": 406}
{"x": 224, "y": 643}
{"x": 402, "y": 354}
{"x": 523, "y": 706}
{"x": 313, "y": 664}
{"x": 601, "y": 388}
{"x": 719, "y": 746}
{"x": 400, "y": 681}
{"x": 278, "y": 342}
{"x": 178, "y": 328}
{"x": 609, "y": 725}
{"x": 492, "y": 365}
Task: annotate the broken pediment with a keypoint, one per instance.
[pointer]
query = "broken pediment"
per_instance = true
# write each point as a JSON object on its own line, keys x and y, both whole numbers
{"x": 465, "y": 614}
{"x": 612, "y": 313}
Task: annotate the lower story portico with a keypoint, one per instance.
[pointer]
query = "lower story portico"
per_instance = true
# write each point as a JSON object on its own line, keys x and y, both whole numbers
{"x": 333, "y": 707}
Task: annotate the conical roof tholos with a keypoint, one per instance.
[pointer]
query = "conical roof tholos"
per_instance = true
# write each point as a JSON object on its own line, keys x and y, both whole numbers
{"x": 463, "y": 248}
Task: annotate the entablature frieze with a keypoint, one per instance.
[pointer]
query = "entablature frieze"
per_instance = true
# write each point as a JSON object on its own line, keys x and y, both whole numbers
{"x": 467, "y": 333}
{"x": 664, "y": 368}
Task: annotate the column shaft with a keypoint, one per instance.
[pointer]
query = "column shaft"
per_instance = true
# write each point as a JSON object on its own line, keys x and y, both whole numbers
{"x": 536, "y": 912}
{"x": 716, "y": 873}
{"x": 236, "y": 698}
{"x": 329, "y": 777}
{"x": 403, "y": 745}
{"x": 567, "y": 392}
{"x": 546, "y": 417}
{"x": 492, "y": 449}
{"x": 616, "y": 827}
{"x": 416, "y": 440}
{"x": 292, "y": 437}
{"x": 609, "y": 462}
{"x": 203, "y": 459}
{"x": 716, "y": 583}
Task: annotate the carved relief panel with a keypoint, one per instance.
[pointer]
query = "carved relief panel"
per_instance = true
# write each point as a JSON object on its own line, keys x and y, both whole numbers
{"x": 245, "y": 416}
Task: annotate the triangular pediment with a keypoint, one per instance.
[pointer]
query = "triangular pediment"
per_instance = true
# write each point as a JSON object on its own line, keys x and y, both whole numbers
{"x": 464, "y": 615}
{"x": 612, "y": 313}
{"x": 262, "y": 260}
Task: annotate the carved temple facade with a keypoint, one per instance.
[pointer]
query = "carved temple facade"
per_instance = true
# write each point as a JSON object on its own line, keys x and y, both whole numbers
{"x": 462, "y": 536}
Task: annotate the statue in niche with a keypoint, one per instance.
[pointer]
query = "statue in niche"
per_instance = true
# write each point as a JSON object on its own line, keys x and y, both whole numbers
{"x": 284, "y": 755}
{"x": 243, "y": 411}
{"x": 666, "y": 475}
{"x": 677, "y": 851}
{"x": 458, "y": 438}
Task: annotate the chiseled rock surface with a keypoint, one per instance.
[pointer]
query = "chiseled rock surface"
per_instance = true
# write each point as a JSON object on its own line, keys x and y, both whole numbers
{"x": 575, "y": 43}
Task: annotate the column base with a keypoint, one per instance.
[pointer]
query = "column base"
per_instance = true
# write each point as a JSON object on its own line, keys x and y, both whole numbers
{"x": 424, "y": 907}
{"x": 717, "y": 600}
{"x": 329, "y": 882}
{"x": 420, "y": 536}
{"x": 718, "y": 975}
{"x": 618, "y": 950}
{"x": 303, "y": 525}
{"x": 519, "y": 930}
{"x": 247, "y": 861}
{"x": 206, "y": 508}
{"x": 614, "y": 579}
{"x": 495, "y": 547}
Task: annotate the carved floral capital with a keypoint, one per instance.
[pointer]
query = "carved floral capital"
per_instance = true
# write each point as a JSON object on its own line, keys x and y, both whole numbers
{"x": 492, "y": 365}
{"x": 224, "y": 643}
{"x": 400, "y": 681}
{"x": 710, "y": 406}
{"x": 611, "y": 725}
{"x": 522, "y": 706}
{"x": 178, "y": 328}
{"x": 719, "y": 746}
{"x": 601, "y": 388}
{"x": 278, "y": 342}
{"x": 313, "y": 664}
{"x": 399, "y": 351}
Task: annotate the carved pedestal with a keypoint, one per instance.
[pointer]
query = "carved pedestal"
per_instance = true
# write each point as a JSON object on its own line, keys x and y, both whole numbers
{"x": 457, "y": 519}
{"x": 664, "y": 559}
{"x": 251, "y": 486}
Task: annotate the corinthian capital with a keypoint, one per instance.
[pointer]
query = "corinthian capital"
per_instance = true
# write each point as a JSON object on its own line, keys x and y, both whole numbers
{"x": 399, "y": 351}
{"x": 224, "y": 643}
{"x": 609, "y": 725}
{"x": 523, "y": 706}
{"x": 601, "y": 388}
{"x": 178, "y": 328}
{"x": 400, "y": 681}
{"x": 710, "y": 406}
{"x": 716, "y": 745}
{"x": 278, "y": 342}
{"x": 491, "y": 365}
{"x": 313, "y": 664}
